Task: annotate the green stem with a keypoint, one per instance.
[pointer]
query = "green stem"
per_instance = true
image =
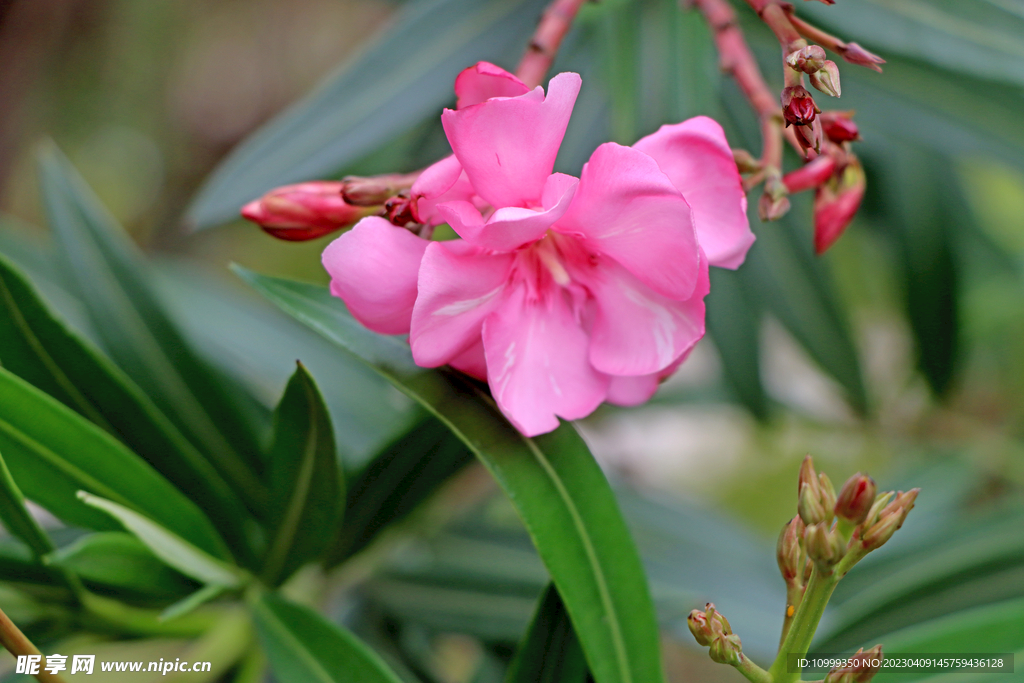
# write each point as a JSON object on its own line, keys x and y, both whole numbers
{"x": 752, "y": 672}
{"x": 805, "y": 623}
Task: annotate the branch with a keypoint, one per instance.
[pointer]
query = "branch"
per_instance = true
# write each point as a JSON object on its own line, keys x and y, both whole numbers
{"x": 554, "y": 24}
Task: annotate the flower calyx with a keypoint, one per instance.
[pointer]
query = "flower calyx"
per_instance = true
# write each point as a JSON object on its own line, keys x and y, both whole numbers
{"x": 712, "y": 630}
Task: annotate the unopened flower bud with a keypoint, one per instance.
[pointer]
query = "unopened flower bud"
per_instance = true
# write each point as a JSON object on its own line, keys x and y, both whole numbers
{"x": 810, "y": 175}
{"x": 745, "y": 161}
{"x": 809, "y": 494}
{"x": 808, "y": 59}
{"x": 399, "y": 210}
{"x": 860, "y": 668}
{"x": 304, "y": 211}
{"x": 798, "y": 108}
{"x": 711, "y": 629}
{"x": 726, "y": 649}
{"x": 839, "y": 127}
{"x": 824, "y": 546}
{"x": 881, "y": 501}
{"x": 890, "y": 519}
{"x": 828, "y": 496}
{"x": 855, "y": 54}
{"x": 374, "y": 190}
{"x": 774, "y": 202}
{"x": 855, "y": 499}
{"x": 698, "y": 625}
{"x": 809, "y": 137}
{"x": 826, "y": 79}
{"x": 836, "y": 203}
{"x": 789, "y": 551}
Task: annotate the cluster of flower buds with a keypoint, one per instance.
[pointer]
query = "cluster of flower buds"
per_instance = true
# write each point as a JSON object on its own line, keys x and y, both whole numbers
{"x": 860, "y": 668}
{"x": 307, "y": 211}
{"x": 712, "y": 630}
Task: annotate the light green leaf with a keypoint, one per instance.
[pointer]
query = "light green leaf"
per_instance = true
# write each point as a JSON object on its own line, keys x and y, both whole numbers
{"x": 303, "y": 647}
{"x": 554, "y": 482}
{"x": 53, "y": 452}
{"x": 39, "y": 348}
{"x": 169, "y": 547}
{"x": 307, "y": 491}
{"x": 404, "y": 78}
{"x": 104, "y": 265}
{"x": 191, "y": 602}
{"x": 16, "y": 517}
{"x": 550, "y": 651}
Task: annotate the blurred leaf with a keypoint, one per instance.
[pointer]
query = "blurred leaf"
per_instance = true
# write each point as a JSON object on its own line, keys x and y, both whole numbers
{"x": 405, "y": 473}
{"x": 783, "y": 274}
{"x": 557, "y": 487}
{"x": 18, "y": 564}
{"x": 550, "y": 651}
{"x": 198, "y": 599}
{"x": 734, "y": 324}
{"x": 16, "y": 517}
{"x": 169, "y": 547}
{"x": 104, "y": 265}
{"x": 40, "y": 349}
{"x": 119, "y": 561}
{"x": 53, "y": 452}
{"x": 306, "y": 487}
{"x": 405, "y": 77}
{"x": 973, "y": 37}
{"x": 303, "y": 646}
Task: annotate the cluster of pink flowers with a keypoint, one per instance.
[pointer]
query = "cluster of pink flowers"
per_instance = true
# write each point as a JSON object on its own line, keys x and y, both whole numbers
{"x": 561, "y": 292}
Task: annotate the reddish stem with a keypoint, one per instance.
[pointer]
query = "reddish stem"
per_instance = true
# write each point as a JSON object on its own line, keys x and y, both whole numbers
{"x": 779, "y": 22}
{"x": 851, "y": 52}
{"x": 554, "y": 24}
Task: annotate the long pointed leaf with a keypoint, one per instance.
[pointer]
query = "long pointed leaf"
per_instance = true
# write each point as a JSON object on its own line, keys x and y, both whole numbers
{"x": 550, "y": 651}
{"x": 16, "y": 517}
{"x": 554, "y": 482}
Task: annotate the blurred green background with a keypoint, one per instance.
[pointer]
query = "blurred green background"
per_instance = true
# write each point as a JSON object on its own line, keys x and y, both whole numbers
{"x": 898, "y": 351}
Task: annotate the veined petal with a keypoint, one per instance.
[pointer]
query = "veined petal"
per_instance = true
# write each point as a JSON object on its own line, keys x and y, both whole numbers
{"x": 374, "y": 268}
{"x": 459, "y": 285}
{"x": 508, "y": 146}
{"x": 483, "y": 81}
{"x": 626, "y": 208}
{"x": 697, "y": 159}
{"x": 637, "y": 331}
{"x": 537, "y": 362}
{"x": 509, "y": 228}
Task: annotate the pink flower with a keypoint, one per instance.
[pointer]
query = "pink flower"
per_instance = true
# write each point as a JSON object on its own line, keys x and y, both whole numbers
{"x": 562, "y": 293}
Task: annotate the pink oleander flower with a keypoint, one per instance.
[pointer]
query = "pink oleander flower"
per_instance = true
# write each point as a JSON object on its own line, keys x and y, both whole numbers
{"x": 562, "y": 293}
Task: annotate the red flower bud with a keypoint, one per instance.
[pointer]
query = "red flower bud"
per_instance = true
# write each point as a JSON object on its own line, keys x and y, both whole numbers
{"x": 789, "y": 551}
{"x": 856, "y": 498}
{"x": 839, "y": 127}
{"x": 375, "y": 190}
{"x": 399, "y": 210}
{"x": 836, "y": 203}
{"x": 855, "y": 54}
{"x": 798, "y": 106}
{"x": 810, "y": 175}
{"x": 807, "y": 60}
{"x": 809, "y": 137}
{"x": 304, "y": 211}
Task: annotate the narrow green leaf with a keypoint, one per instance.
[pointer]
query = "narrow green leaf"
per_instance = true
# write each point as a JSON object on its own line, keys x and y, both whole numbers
{"x": 169, "y": 547}
{"x": 197, "y": 599}
{"x": 396, "y": 481}
{"x": 550, "y": 651}
{"x": 733, "y": 321}
{"x": 304, "y": 647}
{"x": 554, "y": 482}
{"x": 117, "y": 561}
{"x": 53, "y": 452}
{"x": 404, "y": 78}
{"x": 104, "y": 265}
{"x": 307, "y": 489}
{"x": 16, "y": 517}
{"x": 39, "y": 348}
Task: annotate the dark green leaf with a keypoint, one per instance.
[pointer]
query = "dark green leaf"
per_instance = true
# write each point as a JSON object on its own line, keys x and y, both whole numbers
{"x": 550, "y": 651}
{"x": 733, "y": 321}
{"x": 306, "y": 487}
{"x": 554, "y": 482}
{"x": 106, "y": 268}
{"x": 40, "y": 349}
{"x": 303, "y": 647}
{"x": 53, "y": 452}
{"x": 404, "y": 78}
{"x": 396, "y": 481}
{"x": 16, "y": 517}
{"x": 118, "y": 561}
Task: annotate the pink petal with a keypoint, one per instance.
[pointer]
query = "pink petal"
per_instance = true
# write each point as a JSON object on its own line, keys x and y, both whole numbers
{"x": 443, "y": 181}
{"x": 626, "y": 208}
{"x": 508, "y": 146}
{"x": 374, "y": 268}
{"x": 483, "y": 81}
{"x": 637, "y": 331}
{"x": 511, "y": 227}
{"x": 632, "y": 391}
{"x": 472, "y": 361}
{"x": 537, "y": 362}
{"x": 458, "y": 287}
{"x": 697, "y": 159}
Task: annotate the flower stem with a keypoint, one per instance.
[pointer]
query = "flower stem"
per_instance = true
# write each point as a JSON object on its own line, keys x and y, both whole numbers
{"x": 17, "y": 644}
{"x": 554, "y": 24}
{"x": 752, "y": 672}
{"x": 805, "y": 623}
